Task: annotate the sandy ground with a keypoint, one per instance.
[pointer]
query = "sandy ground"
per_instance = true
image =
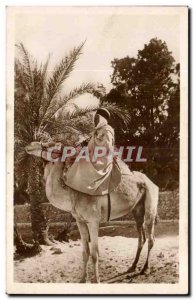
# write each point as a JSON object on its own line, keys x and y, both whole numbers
{"x": 116, "y": 255}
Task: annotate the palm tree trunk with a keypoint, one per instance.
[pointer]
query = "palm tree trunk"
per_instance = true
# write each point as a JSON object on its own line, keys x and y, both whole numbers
{"x": 23, "y": 248}
{"x": 38, "y": 220}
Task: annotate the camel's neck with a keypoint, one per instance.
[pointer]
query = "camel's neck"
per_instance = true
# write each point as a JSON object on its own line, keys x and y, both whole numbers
{"x": 56, "y": 194}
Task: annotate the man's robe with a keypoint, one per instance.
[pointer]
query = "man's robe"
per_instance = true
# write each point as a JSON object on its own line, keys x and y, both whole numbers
{"x": 96, "y": 176}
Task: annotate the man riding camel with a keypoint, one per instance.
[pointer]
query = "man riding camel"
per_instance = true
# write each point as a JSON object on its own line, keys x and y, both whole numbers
{"x": 95, "y": 173}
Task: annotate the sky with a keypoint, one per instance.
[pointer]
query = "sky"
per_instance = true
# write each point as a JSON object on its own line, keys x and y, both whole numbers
{"x": 109, "y": 33}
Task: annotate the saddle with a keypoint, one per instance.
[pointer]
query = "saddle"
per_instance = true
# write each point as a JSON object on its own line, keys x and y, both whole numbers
{"x": 130, "y": 181}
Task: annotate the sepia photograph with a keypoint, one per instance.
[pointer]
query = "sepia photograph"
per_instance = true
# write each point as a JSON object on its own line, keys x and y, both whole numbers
{"x": 97, "y": 150}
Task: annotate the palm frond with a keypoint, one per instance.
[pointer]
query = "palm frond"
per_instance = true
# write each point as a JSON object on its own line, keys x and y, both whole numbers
{"x": 78, "y": 112}
{"x": 45, "y": 67}
{"x": 59, "y": 104}
{"x": 26, "y": 64}
{"x": 37, "y": 102}
{"x": 78, "y": 91}
{"x": 117, "y": 111}
{"x": 29, "y": 88}
{"x": 77, "y": 119}
{"x": 44, "y": 99}
{"x": 61, "y": 72}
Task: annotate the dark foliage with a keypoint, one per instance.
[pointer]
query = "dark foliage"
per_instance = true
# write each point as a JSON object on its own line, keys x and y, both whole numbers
{"x": 148, "y": 87}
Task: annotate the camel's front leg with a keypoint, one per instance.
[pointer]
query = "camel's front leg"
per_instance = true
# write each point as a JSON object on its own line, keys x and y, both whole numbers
{"x": 83, "y": 229}
{"x": 93, "y": 230}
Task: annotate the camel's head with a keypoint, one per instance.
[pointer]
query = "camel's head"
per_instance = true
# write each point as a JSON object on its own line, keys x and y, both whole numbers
{"x": 34, "y": 148}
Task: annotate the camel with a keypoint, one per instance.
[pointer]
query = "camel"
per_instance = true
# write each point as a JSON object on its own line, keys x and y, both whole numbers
{"x": 89, "y": 211}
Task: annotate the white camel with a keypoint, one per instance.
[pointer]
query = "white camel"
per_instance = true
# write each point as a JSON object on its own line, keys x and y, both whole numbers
{"x": 89, "y": 211}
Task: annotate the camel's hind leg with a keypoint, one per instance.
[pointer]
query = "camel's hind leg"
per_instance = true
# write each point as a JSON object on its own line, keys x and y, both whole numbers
{"x": 151, "y": 202}
{"x": 138, "y": 213}
{"x": 83, "y": 229}
{"x": 150, "y": 234}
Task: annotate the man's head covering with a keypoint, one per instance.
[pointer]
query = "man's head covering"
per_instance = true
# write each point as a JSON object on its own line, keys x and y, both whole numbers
{"x": 104, "y": 113}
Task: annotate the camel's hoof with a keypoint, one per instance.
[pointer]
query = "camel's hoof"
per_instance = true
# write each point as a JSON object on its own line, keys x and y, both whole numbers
{"x": 145, "y": 271}
{"x": 95, "y": 280}
{"x": 131, "y": 269}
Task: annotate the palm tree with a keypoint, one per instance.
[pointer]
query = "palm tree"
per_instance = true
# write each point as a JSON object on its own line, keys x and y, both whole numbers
{"x": 38, "y": 101}
{"x": 38, "y": 98}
